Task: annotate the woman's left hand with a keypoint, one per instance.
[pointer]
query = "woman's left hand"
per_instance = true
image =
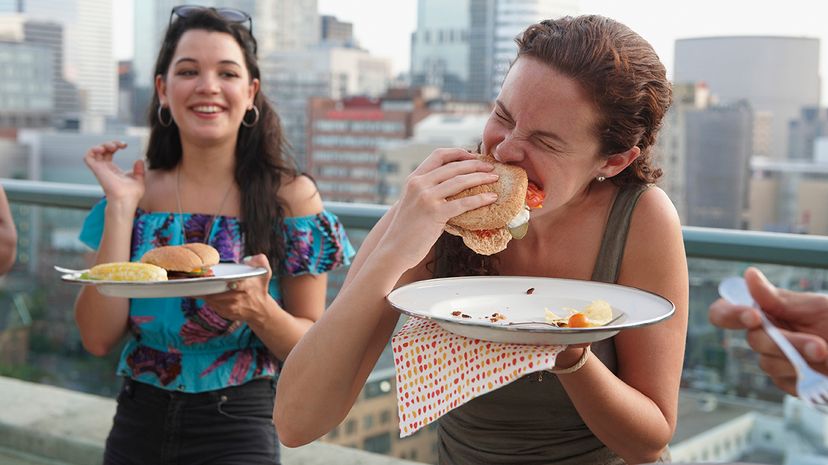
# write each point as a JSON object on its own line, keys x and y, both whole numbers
{"x": 246, "y": 299}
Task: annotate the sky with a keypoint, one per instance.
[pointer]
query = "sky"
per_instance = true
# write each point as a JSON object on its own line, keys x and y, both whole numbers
{"x": 384, "y": 27}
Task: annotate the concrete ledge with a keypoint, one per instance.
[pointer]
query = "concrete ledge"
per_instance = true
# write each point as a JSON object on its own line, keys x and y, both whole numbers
{"x": 59, "y": 424}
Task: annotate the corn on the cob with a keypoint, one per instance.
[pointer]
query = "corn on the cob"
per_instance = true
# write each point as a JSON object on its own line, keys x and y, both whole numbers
{"x": 127, "y": 271}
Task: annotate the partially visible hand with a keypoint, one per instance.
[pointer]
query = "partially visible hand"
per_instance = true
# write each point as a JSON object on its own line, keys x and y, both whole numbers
{"x": 422, "y": 211}
{"x": 247, "y": 299}
{"x": 800, "y": 316}
{"x": 117, "y": 184}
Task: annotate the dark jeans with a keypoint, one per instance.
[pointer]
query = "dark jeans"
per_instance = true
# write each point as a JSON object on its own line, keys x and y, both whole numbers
{"x": 154, "y": 426}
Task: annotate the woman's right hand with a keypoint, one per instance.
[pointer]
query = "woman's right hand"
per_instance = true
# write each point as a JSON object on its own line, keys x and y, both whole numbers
{"x": 422, "y": 210}
{"x": 117, "y": 184}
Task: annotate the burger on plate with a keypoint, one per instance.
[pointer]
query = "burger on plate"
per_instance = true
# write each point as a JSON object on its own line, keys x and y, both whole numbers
{"x": 193, "y": 260}
{"x": 488, "y": 229}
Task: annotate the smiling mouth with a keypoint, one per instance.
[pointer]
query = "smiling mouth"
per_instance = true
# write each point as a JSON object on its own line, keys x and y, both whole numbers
{"x": 207, "y": 109}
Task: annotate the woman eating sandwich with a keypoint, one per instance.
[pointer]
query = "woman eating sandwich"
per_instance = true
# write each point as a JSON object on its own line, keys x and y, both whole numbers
{"x": 579, "y": 111}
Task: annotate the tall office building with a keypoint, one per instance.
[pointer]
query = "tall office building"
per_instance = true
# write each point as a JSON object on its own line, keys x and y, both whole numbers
{"x": 88, "y": 61}
{"x": 805, "y": 131}
{"x": 718, "y": 149}
{"x": 492, "y": 39}
{"x": 26, "y": 100}
{"x": 440, "y": 46}
{"x": 48, "y": 36}
{"x": 777, "y": 75}
{"x": 336, "y": 33}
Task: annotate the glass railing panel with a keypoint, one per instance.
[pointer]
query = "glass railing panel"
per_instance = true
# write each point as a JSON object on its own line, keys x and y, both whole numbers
{"x": 721, "y": 380}
{"x": 730, "y": 410}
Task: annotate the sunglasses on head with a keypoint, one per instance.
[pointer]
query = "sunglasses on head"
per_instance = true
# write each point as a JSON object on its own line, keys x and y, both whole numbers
{"x": 232, "y": 15}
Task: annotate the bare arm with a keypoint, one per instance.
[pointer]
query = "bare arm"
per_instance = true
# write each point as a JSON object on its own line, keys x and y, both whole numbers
{"x": 634, "y": 413}
{"x": 8, "y": 235}
{"x": 326, "y": 370}
{"x": 102, "y": 320}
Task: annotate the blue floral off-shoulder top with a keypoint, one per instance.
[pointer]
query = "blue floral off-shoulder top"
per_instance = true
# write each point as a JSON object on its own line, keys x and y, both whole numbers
{"x": 180, "y": 343}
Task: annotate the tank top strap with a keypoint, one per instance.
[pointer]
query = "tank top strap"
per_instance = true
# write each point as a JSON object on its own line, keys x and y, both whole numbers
{"x": 608, "y": 263}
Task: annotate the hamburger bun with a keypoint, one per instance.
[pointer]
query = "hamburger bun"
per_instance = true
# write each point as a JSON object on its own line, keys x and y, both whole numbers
{"x": 510, "y": 188}
{"x": 484, "y": 229}
{"x": 187, "y": 258}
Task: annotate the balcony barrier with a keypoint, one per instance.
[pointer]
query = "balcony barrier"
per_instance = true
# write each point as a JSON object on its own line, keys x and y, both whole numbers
{"x": 71, "y": 427}
{"x": 720, "y": 244}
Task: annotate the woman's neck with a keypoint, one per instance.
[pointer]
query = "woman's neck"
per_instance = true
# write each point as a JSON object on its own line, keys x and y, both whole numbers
{"x": 208, "y": 163}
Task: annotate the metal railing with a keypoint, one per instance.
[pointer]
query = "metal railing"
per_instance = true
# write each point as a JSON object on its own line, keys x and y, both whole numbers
{"x": 720, "y": 244}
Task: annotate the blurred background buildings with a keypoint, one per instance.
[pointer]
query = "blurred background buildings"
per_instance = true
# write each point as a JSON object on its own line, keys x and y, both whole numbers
{"x": 744, "y": 146}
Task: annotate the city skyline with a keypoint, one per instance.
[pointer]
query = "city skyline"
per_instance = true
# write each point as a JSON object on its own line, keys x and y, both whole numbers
{"x": 661, "y": 23}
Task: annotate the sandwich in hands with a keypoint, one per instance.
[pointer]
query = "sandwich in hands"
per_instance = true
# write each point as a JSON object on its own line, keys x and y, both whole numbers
{"x": 184, "y": 261}
{"x": 488, "y": 229}
{"x": 126, "y": 271}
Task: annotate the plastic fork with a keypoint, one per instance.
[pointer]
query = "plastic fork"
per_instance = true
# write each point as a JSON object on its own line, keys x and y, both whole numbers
{"x": 811, "y": 386}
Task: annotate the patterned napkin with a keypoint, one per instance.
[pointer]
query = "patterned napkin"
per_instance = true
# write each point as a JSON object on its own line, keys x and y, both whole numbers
{"x": 438, "y": 370}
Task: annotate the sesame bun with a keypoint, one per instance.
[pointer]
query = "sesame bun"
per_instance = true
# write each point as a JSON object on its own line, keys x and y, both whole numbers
{"x": 491, "y": 220}
{"x": 183, "y": 258}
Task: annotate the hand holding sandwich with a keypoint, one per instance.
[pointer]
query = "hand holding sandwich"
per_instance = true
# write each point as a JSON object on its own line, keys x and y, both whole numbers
{"x": 426, "y": 203}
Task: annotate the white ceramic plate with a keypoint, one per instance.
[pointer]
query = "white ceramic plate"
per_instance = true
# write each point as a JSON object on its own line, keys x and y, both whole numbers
{"x": 188, "y": 287}
{"x": 480, "y": 297}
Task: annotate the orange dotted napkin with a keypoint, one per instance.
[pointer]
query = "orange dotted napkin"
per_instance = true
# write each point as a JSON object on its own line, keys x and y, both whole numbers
{"x": 438, "y": 370}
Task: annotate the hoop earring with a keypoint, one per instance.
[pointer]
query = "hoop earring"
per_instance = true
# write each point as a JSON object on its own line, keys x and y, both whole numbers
{"x": 161, "y": 119}
{"x": 601, "y": 178}
{"x": 255, "y": 120}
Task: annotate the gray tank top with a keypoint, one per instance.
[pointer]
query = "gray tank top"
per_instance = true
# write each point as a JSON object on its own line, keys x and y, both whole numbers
{"x": 532, "y": 421}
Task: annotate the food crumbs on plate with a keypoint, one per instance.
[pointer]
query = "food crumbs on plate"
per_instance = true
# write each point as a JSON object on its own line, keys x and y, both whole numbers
{"x": 497, "y": 317}
{"x": 530, "y": 290}
{"x": 459, "y": 314}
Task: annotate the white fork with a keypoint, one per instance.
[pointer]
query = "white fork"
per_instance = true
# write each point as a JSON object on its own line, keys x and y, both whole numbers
{"x": 811, "y": 386}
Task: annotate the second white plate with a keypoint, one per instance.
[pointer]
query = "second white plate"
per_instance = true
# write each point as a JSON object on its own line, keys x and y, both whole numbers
{"x": 446, "y": 300}
{"x": 188, "y": 287}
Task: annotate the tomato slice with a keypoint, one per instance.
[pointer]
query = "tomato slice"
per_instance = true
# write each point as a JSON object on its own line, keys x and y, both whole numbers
{"x": 534, "y": 196}
{"x": 484, "y": 233}
{"x": 578, "y": 320}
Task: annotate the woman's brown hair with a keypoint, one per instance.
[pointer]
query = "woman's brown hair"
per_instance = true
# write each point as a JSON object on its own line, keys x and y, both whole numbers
{"x": 622, "y": 73}
{"x": 628, "y": 84}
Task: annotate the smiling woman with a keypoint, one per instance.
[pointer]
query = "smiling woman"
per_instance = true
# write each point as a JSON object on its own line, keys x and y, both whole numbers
{"x": 218, "y": 174}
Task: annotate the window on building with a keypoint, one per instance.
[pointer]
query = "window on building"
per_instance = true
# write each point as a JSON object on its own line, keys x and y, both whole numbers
{"x": 367, "y": 422}
{"x": 380, "y": 444}
{"x": 350, "y": 426}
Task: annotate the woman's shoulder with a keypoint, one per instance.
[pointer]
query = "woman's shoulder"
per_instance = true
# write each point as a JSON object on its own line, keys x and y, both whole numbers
{"x": 158, "y": 189}
{"x": 654, "y": 208}
{"x": 655, "y": 228}
{"x": 300, "y": 195}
